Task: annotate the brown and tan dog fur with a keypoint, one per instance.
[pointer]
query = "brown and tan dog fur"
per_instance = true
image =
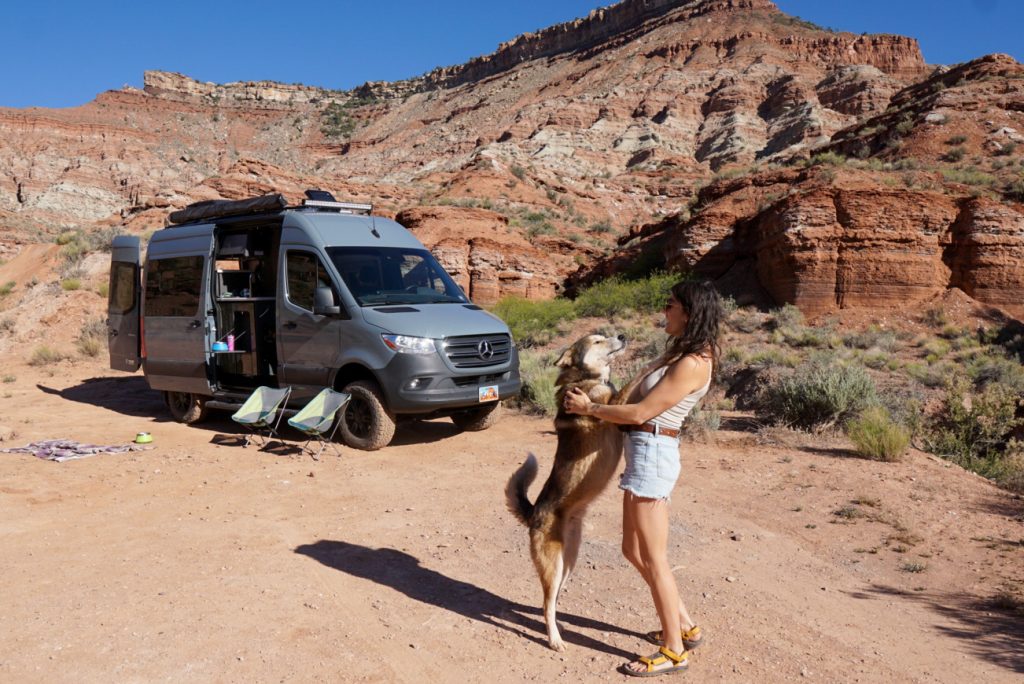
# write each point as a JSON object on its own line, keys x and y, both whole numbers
{"x": 586, "y": 458}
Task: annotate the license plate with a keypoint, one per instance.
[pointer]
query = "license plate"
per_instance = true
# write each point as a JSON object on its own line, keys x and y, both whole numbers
{"x": 489, "y": 393}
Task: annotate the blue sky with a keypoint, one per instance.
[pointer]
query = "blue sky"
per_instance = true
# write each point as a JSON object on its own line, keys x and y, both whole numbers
{"x": 61, "y": 54}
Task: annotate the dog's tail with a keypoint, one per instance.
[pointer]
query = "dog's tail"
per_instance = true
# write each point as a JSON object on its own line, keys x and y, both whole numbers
{"x": 515, "y": 490}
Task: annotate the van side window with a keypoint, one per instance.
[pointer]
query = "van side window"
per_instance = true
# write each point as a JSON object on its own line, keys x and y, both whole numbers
{"x": 123, "y": 278}
{"x": 173, "y": 286}
{"x": 305, "y": 274}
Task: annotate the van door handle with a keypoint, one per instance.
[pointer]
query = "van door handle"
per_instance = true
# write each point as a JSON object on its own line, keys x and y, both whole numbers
{"x": 195, "y": 324}
{"x": 291, "y": 325}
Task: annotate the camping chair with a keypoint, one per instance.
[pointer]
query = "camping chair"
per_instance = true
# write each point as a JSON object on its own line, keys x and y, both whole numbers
{"x": 262, "y": 412}
{"x": 317, "y": 419}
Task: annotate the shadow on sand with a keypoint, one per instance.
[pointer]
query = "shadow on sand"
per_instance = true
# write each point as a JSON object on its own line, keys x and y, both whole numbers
{"x": 987, "y": 630}
{"x": 403, "y": 573}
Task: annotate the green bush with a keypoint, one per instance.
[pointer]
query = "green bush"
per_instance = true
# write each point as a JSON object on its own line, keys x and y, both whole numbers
{"x": 617, "y": 295}
{"x": 773, "y": 356}
{"x": 969, "y": 177}
{"x": 975, "y": 433}
{"x": 92, "y": 338}
{"x": 534, "y": 322}
{"x": 930, "y": 375}
{"x": 744, "y": 320}
{"x": 877, "y": 436}
{"x": 985, "y": 369}
{"x": 828, "y": 159}
{"x": 539, "y": 374}
{"x": 819, "y": 395}
{"x": 70, "y": 284}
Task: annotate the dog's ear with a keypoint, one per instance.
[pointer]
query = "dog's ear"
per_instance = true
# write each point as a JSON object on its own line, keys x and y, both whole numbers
{"x": 565, "y": 360}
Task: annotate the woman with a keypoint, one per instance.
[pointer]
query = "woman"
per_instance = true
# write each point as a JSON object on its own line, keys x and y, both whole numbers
{"x": 659, "y": 398}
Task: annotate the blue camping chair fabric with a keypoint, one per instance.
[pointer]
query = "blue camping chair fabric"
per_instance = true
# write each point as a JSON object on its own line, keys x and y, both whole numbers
{"x": 318, "y": 419}
{"x": 262, "y": 412}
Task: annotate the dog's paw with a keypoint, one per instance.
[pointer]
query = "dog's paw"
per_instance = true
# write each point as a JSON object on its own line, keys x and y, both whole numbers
{"x": 557, "y": 644}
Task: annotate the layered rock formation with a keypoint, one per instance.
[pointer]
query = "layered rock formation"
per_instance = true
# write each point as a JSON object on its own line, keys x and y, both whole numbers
{"x": 567, "y": 138}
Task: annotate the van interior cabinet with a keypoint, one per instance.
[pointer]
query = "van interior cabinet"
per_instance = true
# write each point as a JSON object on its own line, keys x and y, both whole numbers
{"x": 251, "y": 322}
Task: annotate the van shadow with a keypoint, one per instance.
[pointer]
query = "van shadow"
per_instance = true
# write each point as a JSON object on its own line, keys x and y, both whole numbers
{"x": 403, "y": 572}
{"x": 130, "y": 396}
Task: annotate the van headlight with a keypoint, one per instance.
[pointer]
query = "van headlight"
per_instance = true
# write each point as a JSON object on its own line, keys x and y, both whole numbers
{"x": 404, "y": 344}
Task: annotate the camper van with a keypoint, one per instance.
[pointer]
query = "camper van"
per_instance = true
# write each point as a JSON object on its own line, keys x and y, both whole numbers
{"x": 234, "y": 295}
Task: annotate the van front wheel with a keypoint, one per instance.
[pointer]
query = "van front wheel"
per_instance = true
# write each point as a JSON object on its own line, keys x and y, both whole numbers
{"x": 478, "y": 419}
{"x": 186, "y": 408}
{"x": 366, "y": 423}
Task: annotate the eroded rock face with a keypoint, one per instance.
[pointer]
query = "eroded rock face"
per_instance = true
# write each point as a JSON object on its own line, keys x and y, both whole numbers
{"x": 487, "y": 259}
{"x": 858, "y": 245}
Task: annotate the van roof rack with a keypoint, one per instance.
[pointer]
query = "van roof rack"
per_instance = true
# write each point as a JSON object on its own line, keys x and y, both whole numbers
{"x": 316, "y": 200}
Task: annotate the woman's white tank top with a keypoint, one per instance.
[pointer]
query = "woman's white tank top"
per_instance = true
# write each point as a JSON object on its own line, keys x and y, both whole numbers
{"x": 673, "y": 416}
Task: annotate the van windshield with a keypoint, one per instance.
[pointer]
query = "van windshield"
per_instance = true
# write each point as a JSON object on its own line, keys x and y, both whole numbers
{"x": 393, "y": 275}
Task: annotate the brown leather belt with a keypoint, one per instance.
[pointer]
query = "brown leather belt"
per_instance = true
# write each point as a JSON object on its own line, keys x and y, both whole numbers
{"x": 650, "y": 427}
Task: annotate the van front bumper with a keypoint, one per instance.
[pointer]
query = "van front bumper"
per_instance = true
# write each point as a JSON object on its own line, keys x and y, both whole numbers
{"x": 425, "y": 384}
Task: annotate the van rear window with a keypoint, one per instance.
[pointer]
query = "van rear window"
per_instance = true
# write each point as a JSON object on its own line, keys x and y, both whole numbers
{"x": 173, "y": 286}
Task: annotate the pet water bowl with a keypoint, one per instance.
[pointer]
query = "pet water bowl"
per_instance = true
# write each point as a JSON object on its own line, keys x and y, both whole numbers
{"x": 220, "y": 346}
{"x": 143, "y": 438}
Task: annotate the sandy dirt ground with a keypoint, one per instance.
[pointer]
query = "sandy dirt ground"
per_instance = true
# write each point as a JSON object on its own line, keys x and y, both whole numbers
{"x": 200, "y": 560}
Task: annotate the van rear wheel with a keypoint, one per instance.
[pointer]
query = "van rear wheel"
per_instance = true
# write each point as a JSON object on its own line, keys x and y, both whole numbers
{"x": 186, "y": 408}
{"x": 479, "y": 418}
{"x": 366, "y": 423}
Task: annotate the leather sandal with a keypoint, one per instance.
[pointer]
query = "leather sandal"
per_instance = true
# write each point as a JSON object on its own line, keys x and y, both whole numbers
{"x": 679, "y": 662}
{"x": 691, "y": 638}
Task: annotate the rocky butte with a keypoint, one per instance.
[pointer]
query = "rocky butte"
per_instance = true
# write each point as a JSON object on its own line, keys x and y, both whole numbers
{"x": 808, "y": 165}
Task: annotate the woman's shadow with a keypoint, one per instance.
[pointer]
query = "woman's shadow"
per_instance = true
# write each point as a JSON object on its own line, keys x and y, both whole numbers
{"x": 403, "y": 573}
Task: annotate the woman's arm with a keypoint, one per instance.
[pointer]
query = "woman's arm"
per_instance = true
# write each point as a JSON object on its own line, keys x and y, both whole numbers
{"x": 682, "y": 378}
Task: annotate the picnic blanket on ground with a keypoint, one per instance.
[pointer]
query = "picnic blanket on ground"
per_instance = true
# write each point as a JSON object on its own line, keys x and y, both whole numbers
{"x": 61, "y": 450}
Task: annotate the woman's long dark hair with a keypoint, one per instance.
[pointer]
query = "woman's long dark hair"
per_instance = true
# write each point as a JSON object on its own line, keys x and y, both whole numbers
{"x": 702, "y": 304}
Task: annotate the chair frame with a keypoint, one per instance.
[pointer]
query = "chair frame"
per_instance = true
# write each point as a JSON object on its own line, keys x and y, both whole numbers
{"x": 256, "y": 429}
{"x": 319, "y": 435}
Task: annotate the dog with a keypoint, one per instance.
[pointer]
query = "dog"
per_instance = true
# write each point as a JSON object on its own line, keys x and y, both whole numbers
{"x": 586, "y": 457}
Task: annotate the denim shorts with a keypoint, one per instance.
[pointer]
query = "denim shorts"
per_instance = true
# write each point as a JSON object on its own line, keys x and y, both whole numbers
{"x": 652, "y": 465}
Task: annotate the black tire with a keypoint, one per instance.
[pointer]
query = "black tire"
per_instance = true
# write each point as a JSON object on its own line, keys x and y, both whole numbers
{"x": 366, "y": 423}
{"x": 186, "y": 408}
{"x": 479, "y": 418}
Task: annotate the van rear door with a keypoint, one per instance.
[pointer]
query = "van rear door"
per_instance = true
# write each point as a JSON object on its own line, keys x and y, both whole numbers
{"x": 123, "y": 304}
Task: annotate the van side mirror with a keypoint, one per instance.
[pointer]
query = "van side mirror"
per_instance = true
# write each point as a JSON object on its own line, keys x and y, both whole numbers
{"x": 323, "y": 302}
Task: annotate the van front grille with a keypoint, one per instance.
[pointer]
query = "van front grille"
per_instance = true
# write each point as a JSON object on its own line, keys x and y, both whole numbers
{"x": 478, "y": 351}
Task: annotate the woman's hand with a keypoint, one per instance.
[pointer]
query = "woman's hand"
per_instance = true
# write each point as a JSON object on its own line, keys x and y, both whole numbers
{"x": 577, "y": 401}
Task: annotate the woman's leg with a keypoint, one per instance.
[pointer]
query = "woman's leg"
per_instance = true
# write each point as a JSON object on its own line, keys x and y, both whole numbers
{"x": 645, "y": 529}
{"x": 631, "y": 550}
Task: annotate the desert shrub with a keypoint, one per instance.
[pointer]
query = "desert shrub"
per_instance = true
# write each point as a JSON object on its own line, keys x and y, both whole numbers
{"x": 872, "y": 337}
{"x": 1015, "y": 190}
{"x": 877, "y": 436}
{"x": 803, "y": 336}
{"x": 876, "y": 360}
{"x": 43, "y": 356}
{"x": 103, "y": 289}
{"x": 92, "y": 337}
{"x": 617, "y": 295}
{"x": 957, "y": 140}
{"x": 70, "y": 284}
{"x": 827, "y": 159}
{"x": 772, "y": 357}
{"x": 819, "y": 395}
{"x": 935, "y": 316}
{"x": 935, "y": 349}
{"x": 985, "y": 369}
{"x": 1007, "y": 149}
{"x": 519, "y": 172}
{"x": 7, "y": 325}
{"x": 7, "y": 288}
{"x": 744, "y": 320}
{"x": 8, "y": 378}
{"x": 954, "y": 155}
{"x": 788, "y": 316}
{"x": 702, "y": 421}
{"x": 930, "y": 374}
{"x": 1010, "y": 474}
{"x": 975, "y": 433}
{"x": 600, "y": 227}
{"x": 534, "y": 322}
{"x": 539, "y": 374}
{"x": 969, "y": 176}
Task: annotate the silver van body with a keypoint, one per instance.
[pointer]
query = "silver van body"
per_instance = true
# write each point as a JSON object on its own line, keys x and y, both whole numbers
{"x": 306, "y": 297}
